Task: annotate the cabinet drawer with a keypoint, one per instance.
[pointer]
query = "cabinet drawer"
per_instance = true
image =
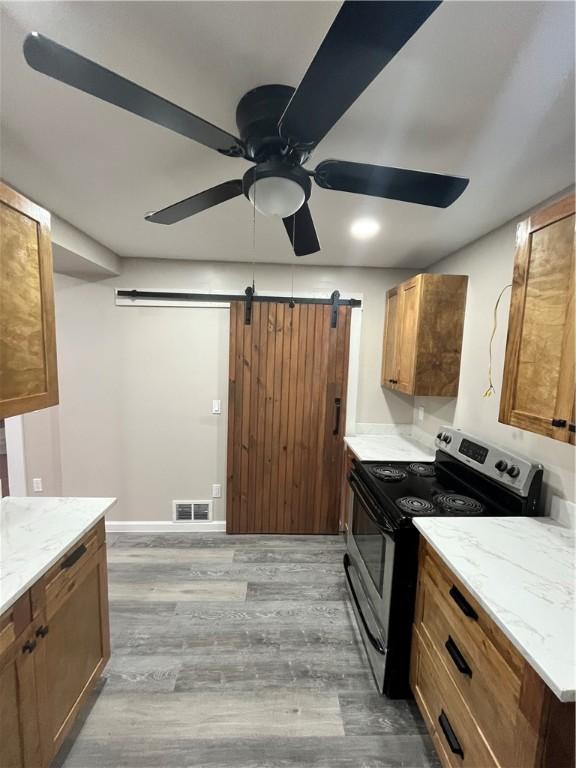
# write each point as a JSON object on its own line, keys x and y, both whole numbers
{"x": 453, "y": 728}
{"x": 14, "y": 621}
{"x": 60, "y": 580}
{"x": 484, "y": 680}
{"x": 463, "y": 612}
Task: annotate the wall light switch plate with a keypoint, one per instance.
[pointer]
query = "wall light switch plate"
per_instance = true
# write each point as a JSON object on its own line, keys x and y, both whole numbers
{"x": 216, "y": 407}
{"x": 37, "y": 484}
{"x": 421, "y": 413}
{"x": 216, "y": 491}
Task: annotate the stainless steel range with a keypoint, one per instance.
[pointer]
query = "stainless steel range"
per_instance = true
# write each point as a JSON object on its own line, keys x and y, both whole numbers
{"x": 468, "y": 477}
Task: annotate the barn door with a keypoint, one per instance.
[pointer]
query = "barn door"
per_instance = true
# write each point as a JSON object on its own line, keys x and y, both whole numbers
{"x": 286, "y": 417}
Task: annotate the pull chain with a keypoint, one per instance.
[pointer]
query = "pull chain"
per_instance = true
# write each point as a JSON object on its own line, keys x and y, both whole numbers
{"x": 292, "y": 304}
{"x": 254, "y": 240}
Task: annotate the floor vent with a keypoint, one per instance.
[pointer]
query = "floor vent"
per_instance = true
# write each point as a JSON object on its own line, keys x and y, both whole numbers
{"x": 192, "y": 511}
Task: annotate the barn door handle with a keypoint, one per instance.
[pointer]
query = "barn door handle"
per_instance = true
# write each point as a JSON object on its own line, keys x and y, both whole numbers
{"x": 338, "y": 406}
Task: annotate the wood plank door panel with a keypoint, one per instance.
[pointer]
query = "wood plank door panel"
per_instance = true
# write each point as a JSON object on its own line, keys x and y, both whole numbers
{"x": 288, "y": 371}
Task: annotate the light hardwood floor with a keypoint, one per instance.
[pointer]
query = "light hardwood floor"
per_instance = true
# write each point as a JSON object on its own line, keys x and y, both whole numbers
{"x": 237, "y": 652}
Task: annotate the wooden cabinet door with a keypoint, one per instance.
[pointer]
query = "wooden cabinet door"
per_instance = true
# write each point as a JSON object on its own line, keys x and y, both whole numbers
{"x": 20, "y": 744}
{"x": 538, "y": 384}
{"x": 76, "y": 648}
{"x": 389, "y": 351}
{"x": 408, "y": 314}
{"x": 28, "y": 377}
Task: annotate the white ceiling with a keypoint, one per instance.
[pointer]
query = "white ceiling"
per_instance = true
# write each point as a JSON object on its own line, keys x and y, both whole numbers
{"x": 484, "y": 89}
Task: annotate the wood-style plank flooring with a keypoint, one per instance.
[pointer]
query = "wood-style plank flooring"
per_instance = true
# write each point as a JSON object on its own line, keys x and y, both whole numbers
{"x": 237, "y": 652}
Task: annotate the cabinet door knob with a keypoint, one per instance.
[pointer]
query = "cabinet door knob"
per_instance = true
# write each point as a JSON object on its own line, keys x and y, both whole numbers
{"x": 29, "y": 646}
{"x": 42, "y": 631}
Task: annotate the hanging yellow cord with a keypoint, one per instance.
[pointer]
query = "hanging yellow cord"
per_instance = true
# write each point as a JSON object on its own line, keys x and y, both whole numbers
{"x": 491, "y": 391}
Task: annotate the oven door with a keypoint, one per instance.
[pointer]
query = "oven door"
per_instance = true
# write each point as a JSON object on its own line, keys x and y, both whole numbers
{"x": 368, "y": 564}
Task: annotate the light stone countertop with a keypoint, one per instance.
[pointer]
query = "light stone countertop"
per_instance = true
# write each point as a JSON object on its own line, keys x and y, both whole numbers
{"x": 522, "y": 572}
{"x": 389, "y": 447}
{"x": 35, "y": 532}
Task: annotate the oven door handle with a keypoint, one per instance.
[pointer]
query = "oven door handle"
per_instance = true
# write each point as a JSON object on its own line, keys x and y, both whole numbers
{"x": 375, "y": 642}
{"x": 357, "y": 488}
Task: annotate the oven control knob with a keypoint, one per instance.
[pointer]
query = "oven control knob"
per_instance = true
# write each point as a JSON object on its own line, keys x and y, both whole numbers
{"x": 514, "y": 471}
{"x": 439, "y": 436}
{"x": 447, "y": 438}
{"x": 501, "y": 465}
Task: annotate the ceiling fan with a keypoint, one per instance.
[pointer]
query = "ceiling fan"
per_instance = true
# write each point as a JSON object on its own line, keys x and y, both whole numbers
{"x": 280, "y": 126}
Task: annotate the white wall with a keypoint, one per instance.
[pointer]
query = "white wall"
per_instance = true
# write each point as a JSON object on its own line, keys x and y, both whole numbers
{"x": 489, "y": 262}
{"x": 137, "y": 383}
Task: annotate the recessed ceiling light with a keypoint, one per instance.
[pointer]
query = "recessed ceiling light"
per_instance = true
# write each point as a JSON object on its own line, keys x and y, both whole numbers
{"x": 362, "y": 229}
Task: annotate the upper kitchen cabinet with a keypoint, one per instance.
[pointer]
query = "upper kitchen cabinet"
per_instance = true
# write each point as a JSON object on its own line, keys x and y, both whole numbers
{"x": 538, "y": 383}
{"x": 28, "y": 375}
{"x": 423, "y": 335}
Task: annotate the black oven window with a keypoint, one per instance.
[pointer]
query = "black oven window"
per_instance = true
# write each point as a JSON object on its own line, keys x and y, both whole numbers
{"x": 371, "y": 544}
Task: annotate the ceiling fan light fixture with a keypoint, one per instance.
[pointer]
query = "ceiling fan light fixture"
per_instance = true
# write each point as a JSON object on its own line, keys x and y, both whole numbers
{"x": 364, "y": 229}
{"x": 277, "y": 188}
{"x": 276, "y": 196}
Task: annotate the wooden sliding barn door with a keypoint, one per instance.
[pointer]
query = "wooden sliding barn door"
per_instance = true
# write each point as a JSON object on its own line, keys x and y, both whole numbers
{"x": 286, "y": 418}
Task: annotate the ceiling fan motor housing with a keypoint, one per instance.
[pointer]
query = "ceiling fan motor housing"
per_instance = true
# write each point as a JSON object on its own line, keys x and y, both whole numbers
{"x": 257, "y": 116}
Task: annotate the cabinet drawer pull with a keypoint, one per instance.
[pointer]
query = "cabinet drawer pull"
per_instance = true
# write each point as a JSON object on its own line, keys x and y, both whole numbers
{"x": 463, "y": 604}
{"x": 457, "y": 658}
{"x": 42, "y": 631}
{"x": 74, "y": 557}
{"x": 453, "y": 742}
{"x": 29, "y": 646}
{"x": 559, "y": 423}
{"x": 571, "y": 427}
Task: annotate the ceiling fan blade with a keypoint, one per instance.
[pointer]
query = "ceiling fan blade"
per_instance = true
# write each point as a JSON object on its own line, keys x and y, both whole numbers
{"x": 433, "y": 189}
{"x": 197, "y": 203}
{"x": 301, "y": 231}
{"x": 363, "y": 38}
{"x": 54, "y": 60}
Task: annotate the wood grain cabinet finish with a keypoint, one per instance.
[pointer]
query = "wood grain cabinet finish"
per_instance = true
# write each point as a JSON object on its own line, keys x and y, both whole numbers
{"x": 483, "y": 704}
{"x": 51, "y": 660}
{"x": 538, "y": 383}
{"x": 423, "y": 335}
{"x": 28, "y": 375}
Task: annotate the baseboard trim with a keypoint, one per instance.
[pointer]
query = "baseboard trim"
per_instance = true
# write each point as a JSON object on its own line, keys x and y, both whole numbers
{"x": 164, "y": 526}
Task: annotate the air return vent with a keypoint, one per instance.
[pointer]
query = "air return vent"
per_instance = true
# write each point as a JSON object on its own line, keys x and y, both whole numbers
{"x": 192, "y": 511}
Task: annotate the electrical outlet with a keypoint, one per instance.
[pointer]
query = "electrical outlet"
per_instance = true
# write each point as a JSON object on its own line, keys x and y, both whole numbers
{"x": 216, "y": 491}
{"x": 421, "y": 413}
{"x": 37, "y": 484}
{"x": 216, "y": 408}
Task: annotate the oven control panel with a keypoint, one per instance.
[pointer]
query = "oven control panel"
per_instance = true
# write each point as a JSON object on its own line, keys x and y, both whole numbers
{"x": 515, "y": 472}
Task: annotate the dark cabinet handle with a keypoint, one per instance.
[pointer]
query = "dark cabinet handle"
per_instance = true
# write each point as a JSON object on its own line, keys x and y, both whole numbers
{"x": 42, "y": 631}
{"x": 338, "y": 406}
{"x": 393, "y": 381}
{"x": 463, "y": 604}
{"x": 453, "y": 742}
{"x": 74, "y": 557}
{"x": 457, "y": 658}
{"x": 29, "y": 646}
{"x": 559, "y": 422}
{"x": 571, "y": 427}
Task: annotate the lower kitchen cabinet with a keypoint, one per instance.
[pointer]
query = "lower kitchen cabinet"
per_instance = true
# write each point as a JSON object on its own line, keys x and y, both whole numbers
{"x": 48, "y": 668}
{"x": 20, "y": 734}
{"x": 483, "y": 704}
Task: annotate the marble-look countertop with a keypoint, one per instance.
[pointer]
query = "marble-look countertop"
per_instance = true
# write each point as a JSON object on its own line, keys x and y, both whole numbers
{"x": 522, "y": 571}
{"x": 35, "y": 532}
{"x": 389, "y": 447}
